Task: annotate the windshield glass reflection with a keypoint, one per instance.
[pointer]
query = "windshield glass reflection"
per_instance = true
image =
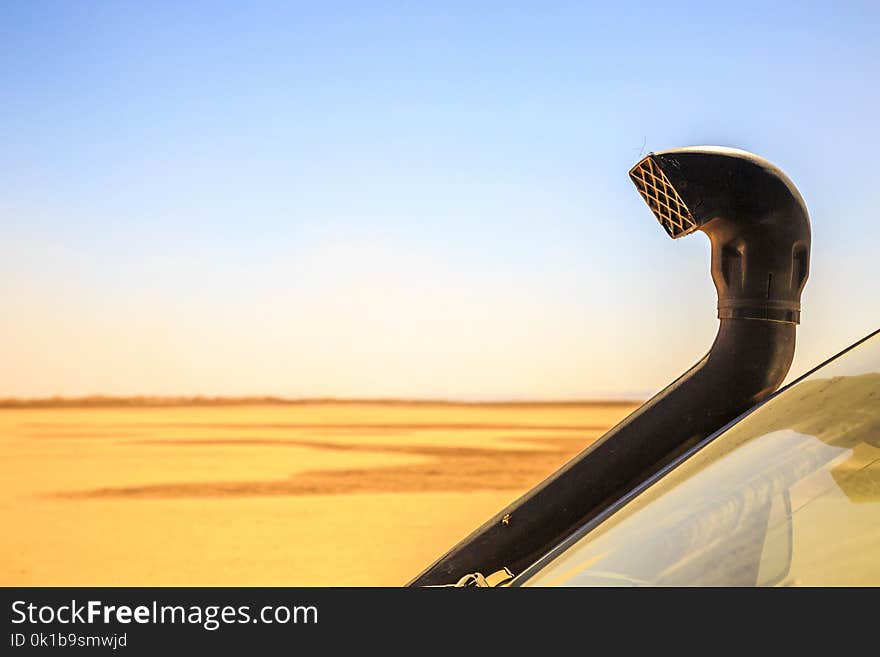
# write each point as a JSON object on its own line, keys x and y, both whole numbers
{"x": 790, "y": 495}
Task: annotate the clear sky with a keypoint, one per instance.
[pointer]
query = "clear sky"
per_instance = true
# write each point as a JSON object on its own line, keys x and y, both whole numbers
{"x": 406, "y": 199}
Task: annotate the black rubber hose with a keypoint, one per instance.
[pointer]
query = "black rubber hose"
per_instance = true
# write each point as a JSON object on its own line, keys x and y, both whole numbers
{"x": 759, "y": 230}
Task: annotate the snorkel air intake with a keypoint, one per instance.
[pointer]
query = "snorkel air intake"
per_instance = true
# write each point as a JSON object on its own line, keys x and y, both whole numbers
{"x": 759, "y": 232}
{"x": 753, "y": 215}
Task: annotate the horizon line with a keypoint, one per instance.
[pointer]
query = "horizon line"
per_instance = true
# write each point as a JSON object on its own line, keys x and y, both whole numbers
{"x": 163, "y": 401}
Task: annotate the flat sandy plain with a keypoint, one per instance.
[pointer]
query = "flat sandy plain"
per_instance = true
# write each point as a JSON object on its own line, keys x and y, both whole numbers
{"x": 302, "y": 494}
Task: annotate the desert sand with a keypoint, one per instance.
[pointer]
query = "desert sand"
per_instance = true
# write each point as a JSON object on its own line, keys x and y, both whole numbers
{"x": 307, "y": 494}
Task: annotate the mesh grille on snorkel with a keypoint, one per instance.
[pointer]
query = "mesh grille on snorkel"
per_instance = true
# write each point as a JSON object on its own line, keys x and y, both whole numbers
{"x": 662, "y": 198}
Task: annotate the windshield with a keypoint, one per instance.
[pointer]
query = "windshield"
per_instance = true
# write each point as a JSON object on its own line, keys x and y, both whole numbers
{"x": 790, "y": 495}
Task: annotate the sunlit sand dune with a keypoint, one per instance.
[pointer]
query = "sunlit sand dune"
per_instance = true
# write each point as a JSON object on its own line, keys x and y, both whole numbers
{"x": 284, "y": 494}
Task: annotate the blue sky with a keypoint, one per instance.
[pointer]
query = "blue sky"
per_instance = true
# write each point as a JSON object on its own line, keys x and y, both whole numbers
{"x": 406, "y": 199}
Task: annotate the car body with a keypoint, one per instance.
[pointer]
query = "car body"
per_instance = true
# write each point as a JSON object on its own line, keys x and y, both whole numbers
{"x": 787, "y": 494}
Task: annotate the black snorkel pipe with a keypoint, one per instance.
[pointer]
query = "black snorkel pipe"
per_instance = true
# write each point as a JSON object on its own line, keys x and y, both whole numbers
{"x": 759, "y": 231}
